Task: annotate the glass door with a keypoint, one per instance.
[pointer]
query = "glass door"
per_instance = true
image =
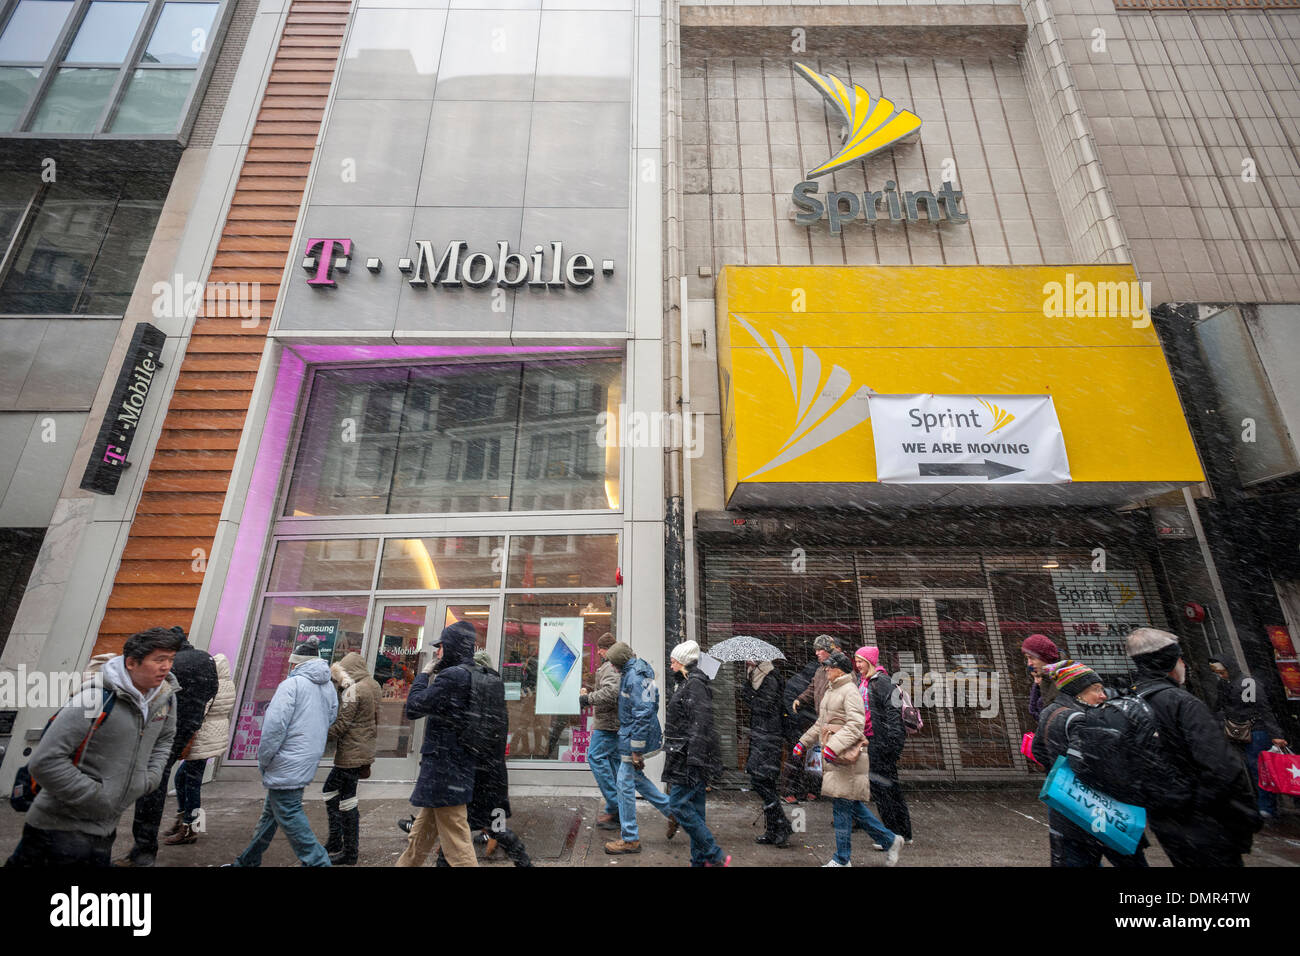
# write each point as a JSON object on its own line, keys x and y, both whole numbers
{"x": 397, "y": 648}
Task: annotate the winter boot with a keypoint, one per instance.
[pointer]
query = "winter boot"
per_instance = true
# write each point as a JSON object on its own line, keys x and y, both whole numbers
{"x": 778, "y": 827}
{"x": 334, "y": 843}
{"x": 514, "y": 847}
{"x": 175, "y": 827}
{"x": 619, "y": 846}
{"x": 182, "y": 837}
{"x": 351, "y": 827}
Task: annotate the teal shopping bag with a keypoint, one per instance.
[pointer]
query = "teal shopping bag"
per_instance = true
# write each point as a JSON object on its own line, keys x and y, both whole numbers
{"x": 1118, "y": 825}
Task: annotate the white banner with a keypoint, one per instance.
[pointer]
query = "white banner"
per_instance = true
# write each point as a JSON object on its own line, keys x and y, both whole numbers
{"x": 559, "y": 671}
{"x": 963, "y": 439}
{"x": 1098, "y": 610}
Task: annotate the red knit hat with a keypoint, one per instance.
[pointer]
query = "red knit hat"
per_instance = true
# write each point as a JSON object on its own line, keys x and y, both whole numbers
{"x": 1041, "y": 646}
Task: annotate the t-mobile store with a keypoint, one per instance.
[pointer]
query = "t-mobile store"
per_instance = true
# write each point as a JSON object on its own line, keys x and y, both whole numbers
{"x": 436, "y": 422}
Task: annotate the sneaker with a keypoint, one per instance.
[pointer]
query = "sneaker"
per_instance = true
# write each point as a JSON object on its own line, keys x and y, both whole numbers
{"x": 792, "y": 799}
{"x": 673, "y": 827}
{"x": 877, "y": 846}
{"x": 607, "y": 821}
{"x": 834, "y": 862}
{"x": 405, "y": 824}
{"x": 725, "y": 861}
{"x": 891, "y": 855}
{"x": 810, "y": 797}
{"x": 130, "y": 860}
{"x": 616, "y": 847}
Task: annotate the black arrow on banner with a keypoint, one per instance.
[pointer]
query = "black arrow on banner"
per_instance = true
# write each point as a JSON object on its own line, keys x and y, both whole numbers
{"x": 989, "y": 469}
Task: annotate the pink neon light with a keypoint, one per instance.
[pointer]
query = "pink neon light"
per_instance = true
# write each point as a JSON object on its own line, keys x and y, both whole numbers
{"x": 360, "y": 353}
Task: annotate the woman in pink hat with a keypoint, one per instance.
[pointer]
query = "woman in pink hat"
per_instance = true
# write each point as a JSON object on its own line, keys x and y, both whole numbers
{"x": 885, "y": 738}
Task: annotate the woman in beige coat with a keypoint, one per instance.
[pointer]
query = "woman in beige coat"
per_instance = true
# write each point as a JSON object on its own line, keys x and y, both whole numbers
{"x": 211, "y": 741}
{"x": 838, "y": 731}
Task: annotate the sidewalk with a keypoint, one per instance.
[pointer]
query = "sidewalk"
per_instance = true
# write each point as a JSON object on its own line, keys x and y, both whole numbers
{"x": 953, "y": 828}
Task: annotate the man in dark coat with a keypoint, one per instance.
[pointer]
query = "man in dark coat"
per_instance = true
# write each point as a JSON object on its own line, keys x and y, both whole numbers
{"x": 445, "y": 786}
{"x": 762, "y": 694}
{"x": 490, "y": 808}
{"x": 1217, "y": 824}
{"x": 1078, "y": 687}
{"x": 196, "y": 672}
{"x": 795, "y": 781}
{"x": 885, "y": 743}
{"x": 1243, "y": 707}
{"x": 693, "y": 753}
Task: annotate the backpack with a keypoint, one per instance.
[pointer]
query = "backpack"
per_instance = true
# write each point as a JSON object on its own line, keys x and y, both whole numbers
{"x": 25, "y": 788}
{"x": 1116, "y": 748}
{"x": 912, "y": 722}
{"x": 484, "y": 735}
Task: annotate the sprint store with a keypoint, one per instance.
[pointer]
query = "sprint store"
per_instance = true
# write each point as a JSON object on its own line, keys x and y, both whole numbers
{"x": 920, "y": 459}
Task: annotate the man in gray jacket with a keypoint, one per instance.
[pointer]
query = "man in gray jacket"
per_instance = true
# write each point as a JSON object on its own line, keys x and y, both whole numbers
{"x": 602, "y": 752}
{"x": 74, "y": 818}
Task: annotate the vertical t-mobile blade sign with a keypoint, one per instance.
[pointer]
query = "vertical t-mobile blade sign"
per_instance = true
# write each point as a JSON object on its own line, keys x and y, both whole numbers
{"x": 963, "y": 439}
{"x": 108, "y": 457}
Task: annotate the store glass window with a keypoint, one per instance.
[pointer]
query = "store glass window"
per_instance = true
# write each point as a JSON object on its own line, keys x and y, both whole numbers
{"x": 451, "y": 563}
{"x": 31, "y": 31}
{"x": 459, "y": 439}
{"x": 181, "y": 34}
{"x": 16, "y": 86}
{"x": 566, "y": 627}
{"x": 75, "y": 101}
{"x": 153, "y": 101}
{"x": 332, "y": 565}
{"x": 563, "y": 560}
{"x": 338, "y": 625}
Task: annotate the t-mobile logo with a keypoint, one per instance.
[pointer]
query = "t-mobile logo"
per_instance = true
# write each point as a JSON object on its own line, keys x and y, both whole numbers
{"x": 325, "y": 264}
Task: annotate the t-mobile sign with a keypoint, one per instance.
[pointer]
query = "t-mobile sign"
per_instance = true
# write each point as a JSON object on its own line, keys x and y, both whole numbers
{"x": 108, "y": 458}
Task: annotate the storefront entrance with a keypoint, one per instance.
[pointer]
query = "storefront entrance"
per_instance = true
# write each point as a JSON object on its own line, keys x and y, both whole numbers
{"x": 396, "y": 648}
{"x": 943, "y": 649}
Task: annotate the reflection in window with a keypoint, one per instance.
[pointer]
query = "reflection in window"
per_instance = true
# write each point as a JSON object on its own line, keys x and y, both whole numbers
{"x": 75, "y": 101}
{"x": 30, "y": 34}
{"x": 181, "y": 34}
{"x": 153, "y": 101}
{"x": 16, "y": 85}
{"x": 457, "y": 439}
{"x": 430, "y": 564}
{"x": 106, "y": 33}
{"x": 562, "y": 560}
{"x": 83, "y": 251}
{"x": 345, "y": 564}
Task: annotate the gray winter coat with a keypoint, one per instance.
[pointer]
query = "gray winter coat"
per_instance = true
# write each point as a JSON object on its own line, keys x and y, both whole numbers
{"x": 604, "y": 698}
{"x": 295, "y": 727}
{"x": 123, "y": 760}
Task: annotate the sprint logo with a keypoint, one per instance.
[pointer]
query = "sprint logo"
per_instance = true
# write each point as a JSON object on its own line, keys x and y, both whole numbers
{"x": 870, "y": 126}
{"x": 1000, "y": 416}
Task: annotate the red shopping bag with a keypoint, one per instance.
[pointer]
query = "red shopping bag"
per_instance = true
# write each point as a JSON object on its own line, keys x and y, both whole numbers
{"x": 1279, "y": 771}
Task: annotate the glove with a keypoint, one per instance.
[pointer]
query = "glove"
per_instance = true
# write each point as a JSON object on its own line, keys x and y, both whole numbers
{"x": 828, "y": 754}
{"x": 798, "y": 750}
{"x": 638, "y": 761}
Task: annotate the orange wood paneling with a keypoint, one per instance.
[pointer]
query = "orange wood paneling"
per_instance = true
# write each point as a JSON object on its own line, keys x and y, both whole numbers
{"x": 158, "y": 579}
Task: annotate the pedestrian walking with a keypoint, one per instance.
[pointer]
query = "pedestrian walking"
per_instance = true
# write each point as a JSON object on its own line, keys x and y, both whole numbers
{"x": 445, "y": 785}
{"x": 105, "y": 748}
{"x": 602, "y": 750}
{"x": 1217, "y": 823}
{"x": 639, "y": 736}
{"x": 196, "y": 674}
{"x": 841, "y": 720}
{"x": 694, "y": 754}
{"x": 1078, "y": 687}
{"x": 1248, "y": 723}
{"x": 211, "y": 741}
{"x": 488, "y": 812}
{"x": 1039, "y": 651}
{"x": 762, "y": 694}
{"x": 796, "y": 783}
{"x": 354, "y": 732}
{"x": 886, "y": 737}
{"x": 294, "y": 732}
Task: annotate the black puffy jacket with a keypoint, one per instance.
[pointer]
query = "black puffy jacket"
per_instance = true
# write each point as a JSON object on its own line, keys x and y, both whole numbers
{"x": 693, "y": 752}
{"x": 887, "y": 731}
{"x": 196, "y": 672}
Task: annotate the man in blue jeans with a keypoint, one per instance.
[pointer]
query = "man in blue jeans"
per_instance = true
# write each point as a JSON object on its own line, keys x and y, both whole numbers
{"x": 602, "y": 751}
{"x": 639, "y": 736}
{"x": 294, "y": 732}
{"x": 694, "y": 754}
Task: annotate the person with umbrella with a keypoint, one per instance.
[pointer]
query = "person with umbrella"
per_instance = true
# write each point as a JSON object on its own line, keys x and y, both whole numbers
{"x": 762, "y": 694}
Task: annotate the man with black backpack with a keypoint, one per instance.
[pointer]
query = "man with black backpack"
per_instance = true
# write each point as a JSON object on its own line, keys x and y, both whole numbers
{"x": 1214, "y": 820}
{"x": 445, "y": 786}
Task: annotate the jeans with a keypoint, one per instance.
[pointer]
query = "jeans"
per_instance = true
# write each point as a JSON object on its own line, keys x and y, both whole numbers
{"x": 847, "y": 814}
{"x": 631, "y": 782}
{"x": 602, "y": 758}
{"x": 686, "y": 803}
{"x": 1260, "y": 741}
{"x": 148, "y": 817}
{"x": 61, "y": 848}
{"x": 284, "y": 808}
{"x": 189, "y": 783}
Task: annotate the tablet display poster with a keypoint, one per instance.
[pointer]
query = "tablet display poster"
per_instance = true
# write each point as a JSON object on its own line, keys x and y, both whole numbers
{"x": 559, "y": 678}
